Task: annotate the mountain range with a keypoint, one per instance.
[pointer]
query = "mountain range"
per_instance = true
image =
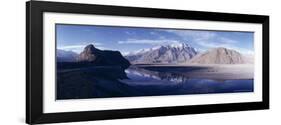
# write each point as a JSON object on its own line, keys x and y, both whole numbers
{"x": 165, "y": 54}
{"x": 173, "y": 53}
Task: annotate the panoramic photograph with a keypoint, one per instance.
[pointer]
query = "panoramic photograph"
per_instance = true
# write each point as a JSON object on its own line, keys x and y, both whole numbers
{"x": 112, "y": 61}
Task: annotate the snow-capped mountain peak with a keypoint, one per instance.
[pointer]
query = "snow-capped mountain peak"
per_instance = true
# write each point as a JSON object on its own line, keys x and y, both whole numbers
{"x": 171, "y": 53}
{"x": 179, "y": 45}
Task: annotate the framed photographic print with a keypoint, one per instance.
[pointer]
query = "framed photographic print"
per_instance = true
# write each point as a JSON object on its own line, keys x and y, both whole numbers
{"x": 95, "y": 62}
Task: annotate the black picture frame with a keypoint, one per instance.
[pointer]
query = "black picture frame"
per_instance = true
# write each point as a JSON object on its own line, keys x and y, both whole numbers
{"x": 34, "y": 61}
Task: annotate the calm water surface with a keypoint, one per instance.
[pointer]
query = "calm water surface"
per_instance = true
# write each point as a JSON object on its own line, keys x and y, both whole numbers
{"x": 104, "y": 82}
{"x": 163, "y": 83}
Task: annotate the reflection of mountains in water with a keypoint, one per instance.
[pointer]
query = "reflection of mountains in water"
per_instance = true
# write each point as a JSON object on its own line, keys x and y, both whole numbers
{"x": 173, "y": 77}
{"x": 169, "y": 76}
{"x": 172, "y": 74}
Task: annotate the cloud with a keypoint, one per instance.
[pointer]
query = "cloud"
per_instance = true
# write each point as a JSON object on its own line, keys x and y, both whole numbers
{"x": 124, "y": 53}
{"x": 221, "y": 42}
{"x": 80, "y": 47}
{"x": 226, "y": 43}
{"x": 148, "y": 41}
{"x": 153, "y": 33}
{"x": 218, "y": 42}
{"x": 156, "y": 33}
{"x": 209, "y": 39}
{"x": 227, "y": 40}
{"x": 71, "y": 47}
{"x": 130, "y": 33}
{"x": 194, "y": 34}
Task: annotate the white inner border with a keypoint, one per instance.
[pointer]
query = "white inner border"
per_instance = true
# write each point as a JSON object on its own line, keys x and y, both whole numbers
{"x": 52, "y": 106}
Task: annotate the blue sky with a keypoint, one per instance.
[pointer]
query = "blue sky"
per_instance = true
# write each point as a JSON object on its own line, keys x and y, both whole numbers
{"x": 129, "y": 39}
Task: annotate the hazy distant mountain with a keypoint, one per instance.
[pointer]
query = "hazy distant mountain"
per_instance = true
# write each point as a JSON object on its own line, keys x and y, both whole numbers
{"x": 249, "y": 58}
{"x": 219, "y": 56}
{"x": 90, "y": 54}
{"x": 66, "y": 56}
{"x": 173, "y": 53}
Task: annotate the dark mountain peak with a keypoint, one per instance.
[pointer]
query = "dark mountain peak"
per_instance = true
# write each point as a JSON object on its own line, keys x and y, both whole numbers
{"x": 89, "y": 46}
{"x": 93, "y": 55}
{"x": 90, "y": 49}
